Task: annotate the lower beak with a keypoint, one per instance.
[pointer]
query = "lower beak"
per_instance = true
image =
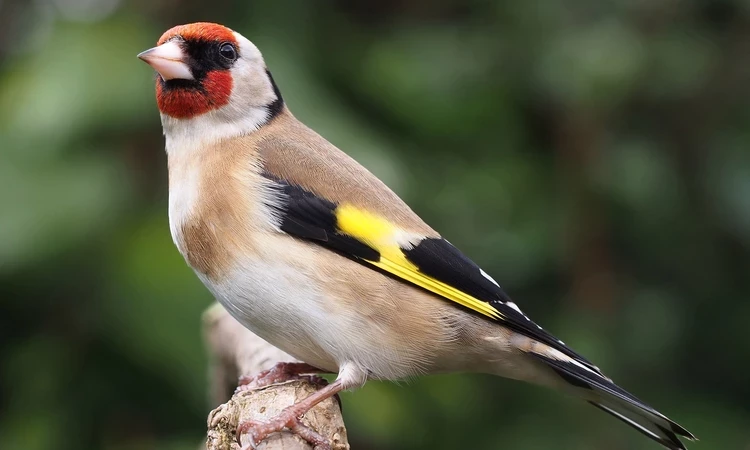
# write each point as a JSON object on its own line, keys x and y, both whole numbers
{"x": 169, "y": 60}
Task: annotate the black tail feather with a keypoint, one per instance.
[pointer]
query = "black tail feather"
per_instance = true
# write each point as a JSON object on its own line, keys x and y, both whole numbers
{"x": 667, "y": 439}
{"x": 612, "y": 399}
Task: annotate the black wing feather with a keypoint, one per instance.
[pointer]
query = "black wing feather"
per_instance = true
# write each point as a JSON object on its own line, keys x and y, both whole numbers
{"x": 439, "y": 259}
{"x": 307, "y": 216}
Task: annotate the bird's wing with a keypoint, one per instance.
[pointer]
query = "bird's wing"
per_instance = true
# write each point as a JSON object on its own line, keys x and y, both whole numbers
{"x": 326, "y": 197}
{"x": 430, "y": 263}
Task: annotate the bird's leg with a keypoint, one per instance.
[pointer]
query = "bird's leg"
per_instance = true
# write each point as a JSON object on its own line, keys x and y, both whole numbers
{"x": 290, "y": 417}
{"x": 280, "y": 372}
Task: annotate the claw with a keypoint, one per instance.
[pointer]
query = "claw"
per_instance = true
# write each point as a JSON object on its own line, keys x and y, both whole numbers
{"x": 243, "y": 428}
{"x": 218, "y": 414}
{"x": 314, "y": 438}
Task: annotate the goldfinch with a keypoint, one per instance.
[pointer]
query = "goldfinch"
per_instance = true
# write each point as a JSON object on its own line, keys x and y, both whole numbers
{"x": 313, "y": 253}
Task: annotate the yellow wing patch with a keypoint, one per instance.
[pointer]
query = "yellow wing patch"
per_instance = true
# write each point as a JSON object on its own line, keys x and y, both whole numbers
{"x": 381, "y": 235}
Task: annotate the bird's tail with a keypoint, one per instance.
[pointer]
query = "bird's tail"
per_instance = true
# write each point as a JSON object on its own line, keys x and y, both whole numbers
{"x": 601, "y": 392}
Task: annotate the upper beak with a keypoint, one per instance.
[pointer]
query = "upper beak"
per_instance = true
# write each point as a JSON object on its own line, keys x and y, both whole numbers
{"x": 169, "y": 60}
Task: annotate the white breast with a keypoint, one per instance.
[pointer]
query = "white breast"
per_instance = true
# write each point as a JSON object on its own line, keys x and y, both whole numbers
{"x": 184, "y": 185}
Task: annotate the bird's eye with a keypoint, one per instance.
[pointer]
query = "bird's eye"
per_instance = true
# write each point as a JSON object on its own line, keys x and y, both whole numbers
{"x": 227, "y": 51}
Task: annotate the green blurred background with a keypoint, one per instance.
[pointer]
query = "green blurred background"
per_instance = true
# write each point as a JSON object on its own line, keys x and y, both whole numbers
{"x": 594, "y": 157}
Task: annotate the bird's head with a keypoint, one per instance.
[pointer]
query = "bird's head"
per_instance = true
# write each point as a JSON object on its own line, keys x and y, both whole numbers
{"x": 213, "y": 78}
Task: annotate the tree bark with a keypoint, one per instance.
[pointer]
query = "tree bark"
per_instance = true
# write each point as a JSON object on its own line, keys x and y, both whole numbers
{"x": 235, "y": 351}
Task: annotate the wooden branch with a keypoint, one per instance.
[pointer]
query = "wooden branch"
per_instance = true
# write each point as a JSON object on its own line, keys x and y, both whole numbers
{"x": 236, "y": 351}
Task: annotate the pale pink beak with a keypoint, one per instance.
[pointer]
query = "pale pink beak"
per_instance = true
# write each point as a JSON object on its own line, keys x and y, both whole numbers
{"x": 169, "y": 60}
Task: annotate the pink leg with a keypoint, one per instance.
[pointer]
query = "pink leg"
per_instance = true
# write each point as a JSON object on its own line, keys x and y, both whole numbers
{"x": 290, "y": 418}
{"x": 279, "y": 373}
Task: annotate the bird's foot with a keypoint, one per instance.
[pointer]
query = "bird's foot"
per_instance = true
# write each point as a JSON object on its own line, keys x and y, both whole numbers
{"x": 279, "y": 373}
{"x": 256, "y": 432}
{"x": 290, "y": 418}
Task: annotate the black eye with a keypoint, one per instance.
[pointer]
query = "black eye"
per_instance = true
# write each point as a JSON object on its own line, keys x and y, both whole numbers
{"x": 227, "y": 51}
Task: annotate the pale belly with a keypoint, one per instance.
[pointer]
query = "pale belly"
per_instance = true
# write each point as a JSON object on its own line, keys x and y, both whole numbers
{"x": 334, "y": 315}
{"x": 282, "y": 306}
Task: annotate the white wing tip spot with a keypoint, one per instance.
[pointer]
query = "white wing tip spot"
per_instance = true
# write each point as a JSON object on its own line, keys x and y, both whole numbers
{"x": 514, "y": 306}
{"x": 484, "y": 274}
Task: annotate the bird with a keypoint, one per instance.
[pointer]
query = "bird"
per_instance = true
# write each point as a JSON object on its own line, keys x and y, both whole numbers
{"x": 316, "y": 255}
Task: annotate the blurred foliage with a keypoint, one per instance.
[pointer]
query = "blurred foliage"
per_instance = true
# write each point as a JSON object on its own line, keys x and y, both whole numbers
{"x": 591, "y": 155}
